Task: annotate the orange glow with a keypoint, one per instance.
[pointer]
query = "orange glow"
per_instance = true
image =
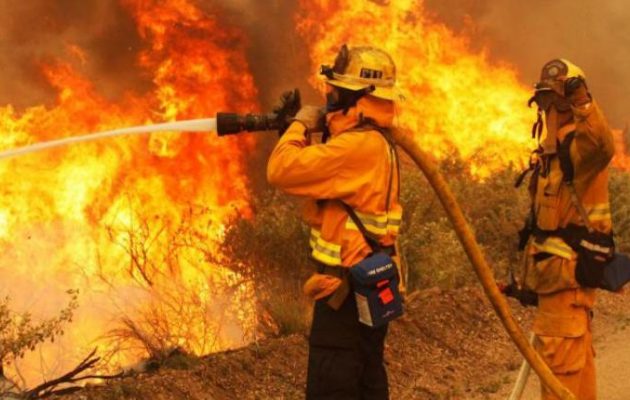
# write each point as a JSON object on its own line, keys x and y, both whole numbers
{"x": 132, "y": 222}
{"x": 453, "y": 97}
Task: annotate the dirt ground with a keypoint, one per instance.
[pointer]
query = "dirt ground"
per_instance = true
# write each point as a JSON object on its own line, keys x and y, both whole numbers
{"x": 449, "y": 345}
{"x": 611, "y": 329}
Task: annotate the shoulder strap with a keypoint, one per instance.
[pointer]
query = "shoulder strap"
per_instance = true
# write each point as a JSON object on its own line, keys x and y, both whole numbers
{"x": 393, "y": 155}
{"x": 394, "y": 165}
{"x": 568, "y": 173}
{"x": 371, "y": 240}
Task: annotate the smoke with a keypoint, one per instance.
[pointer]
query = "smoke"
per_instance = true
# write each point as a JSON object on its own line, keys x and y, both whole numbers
{"x": 37, "y": 32}
{"x": 278, "y": 56}
{"x": 593, "y": 35}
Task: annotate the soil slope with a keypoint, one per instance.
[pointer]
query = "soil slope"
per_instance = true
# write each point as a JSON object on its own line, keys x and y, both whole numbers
{"x": 449, "y": 345}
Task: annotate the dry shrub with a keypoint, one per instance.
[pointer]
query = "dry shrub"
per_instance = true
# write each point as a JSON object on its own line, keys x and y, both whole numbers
{"x": 620, "y": 207}
{"x": 182, "y": 295}
{"x": 196, "y": 320}
{"x": 435, "y": 256}
{"x": 492, "y": 206}
{"x": 272, "y": 251}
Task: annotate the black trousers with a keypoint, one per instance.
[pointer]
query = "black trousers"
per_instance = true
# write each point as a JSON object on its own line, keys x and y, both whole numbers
{"x": 345, "y": 358}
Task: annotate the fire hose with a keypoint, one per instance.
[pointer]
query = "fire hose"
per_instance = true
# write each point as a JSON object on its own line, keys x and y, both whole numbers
{"x": 229, "y": 123}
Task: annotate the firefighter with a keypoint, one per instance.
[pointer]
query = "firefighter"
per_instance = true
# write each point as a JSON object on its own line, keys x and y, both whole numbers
{"x": 570, "y": 223}
{"x": 355, "y": 164}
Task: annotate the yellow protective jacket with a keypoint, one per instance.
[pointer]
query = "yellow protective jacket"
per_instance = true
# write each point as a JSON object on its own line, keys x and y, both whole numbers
{"x": 562, "y": 320}
{"x": 356, "y": 165}
{"x": 591, "y": 151}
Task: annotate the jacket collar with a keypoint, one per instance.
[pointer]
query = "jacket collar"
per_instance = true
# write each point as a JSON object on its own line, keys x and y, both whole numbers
{"x": 377, "y": 111}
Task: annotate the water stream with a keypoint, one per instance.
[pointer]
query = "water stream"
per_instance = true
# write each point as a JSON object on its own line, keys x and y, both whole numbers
{"x": 194, "y": 125}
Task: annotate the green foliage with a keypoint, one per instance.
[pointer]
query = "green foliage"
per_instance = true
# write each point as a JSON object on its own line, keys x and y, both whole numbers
{"x": 493, "y": 207}
{"x": 19, "y": 334}
{"x": 434, "y": 256}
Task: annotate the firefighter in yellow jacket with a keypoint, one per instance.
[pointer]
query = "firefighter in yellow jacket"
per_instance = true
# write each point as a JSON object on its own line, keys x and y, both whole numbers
{"x": 570, "y": 223}
{"x": 356, "y": 164}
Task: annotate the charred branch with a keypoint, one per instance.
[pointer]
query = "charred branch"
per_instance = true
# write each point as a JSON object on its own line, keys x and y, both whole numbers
{"x": 50, "y": 388}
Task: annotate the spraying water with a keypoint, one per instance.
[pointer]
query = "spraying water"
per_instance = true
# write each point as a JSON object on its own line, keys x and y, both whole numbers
{"x": 195, "y": 125}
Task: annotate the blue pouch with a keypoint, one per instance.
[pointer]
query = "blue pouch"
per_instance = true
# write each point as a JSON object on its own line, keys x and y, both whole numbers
{"x": 375, "y": 284}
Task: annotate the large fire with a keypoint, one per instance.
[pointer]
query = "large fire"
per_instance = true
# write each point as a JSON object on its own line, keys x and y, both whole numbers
{"x": 134, "y": 222}
{"x": 453, "y": 99}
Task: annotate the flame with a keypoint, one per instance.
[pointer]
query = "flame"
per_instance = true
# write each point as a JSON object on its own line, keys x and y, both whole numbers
{"x": 453, "y": 98}
{"x": 134, "y": 222}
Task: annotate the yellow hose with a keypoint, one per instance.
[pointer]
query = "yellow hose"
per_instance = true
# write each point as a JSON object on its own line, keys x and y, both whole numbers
{"x": 481, "y": 267}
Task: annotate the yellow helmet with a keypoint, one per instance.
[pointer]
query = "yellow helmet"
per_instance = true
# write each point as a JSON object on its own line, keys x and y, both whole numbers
{"x": 363, "y": 68}
{"x": 556, "y": 72}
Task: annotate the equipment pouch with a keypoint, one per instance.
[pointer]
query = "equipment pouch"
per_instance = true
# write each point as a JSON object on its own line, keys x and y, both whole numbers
{"x": 616, "y": 273}
{"x": 548, "y": 198}
{"x": 375, "y": 283}
{"x": 595, "y": 252}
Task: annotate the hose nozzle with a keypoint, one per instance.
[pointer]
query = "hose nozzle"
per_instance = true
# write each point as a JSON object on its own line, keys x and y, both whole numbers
{"x": 278, "y": 120}
{"x": 231, "y": 123}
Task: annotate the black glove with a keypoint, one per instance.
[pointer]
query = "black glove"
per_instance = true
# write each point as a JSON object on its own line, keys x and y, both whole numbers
{"x": 571, "y": 85}
{"x": 576, "y": 91}
{"x": 524, "y": 296}
{"x": 290, "y": 104}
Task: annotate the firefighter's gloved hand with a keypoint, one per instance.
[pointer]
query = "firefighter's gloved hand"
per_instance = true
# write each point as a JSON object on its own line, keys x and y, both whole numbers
{"x": 576, "y": 91}
{"x": 312, "y": 117}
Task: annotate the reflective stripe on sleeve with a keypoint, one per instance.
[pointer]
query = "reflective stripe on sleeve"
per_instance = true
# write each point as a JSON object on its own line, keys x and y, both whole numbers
{"x": 394, "y": 221}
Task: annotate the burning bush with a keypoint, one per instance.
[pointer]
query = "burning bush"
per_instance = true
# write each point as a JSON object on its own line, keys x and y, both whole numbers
{"x": 181, "y": 296}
